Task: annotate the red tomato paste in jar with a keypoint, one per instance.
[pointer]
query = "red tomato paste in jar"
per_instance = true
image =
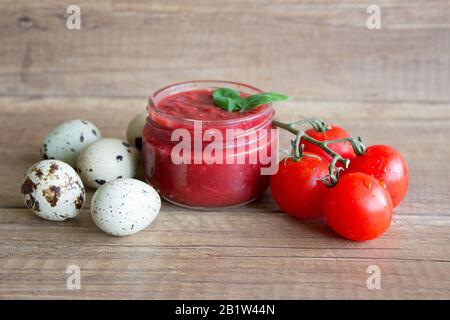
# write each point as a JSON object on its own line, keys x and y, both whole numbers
{"x": 206, "y": 179}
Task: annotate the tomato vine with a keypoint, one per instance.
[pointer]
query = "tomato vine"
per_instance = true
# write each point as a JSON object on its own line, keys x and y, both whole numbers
{"x": 318, "y": 125}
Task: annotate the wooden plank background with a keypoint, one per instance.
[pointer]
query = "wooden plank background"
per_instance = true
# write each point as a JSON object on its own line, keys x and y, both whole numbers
{"x": 313, "y": 50}
{"x": 388, "y": 86}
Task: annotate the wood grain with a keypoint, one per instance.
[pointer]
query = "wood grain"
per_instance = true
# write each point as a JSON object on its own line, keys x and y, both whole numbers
{"x": 252, "y": 252}
{"x": 311, "y": 50}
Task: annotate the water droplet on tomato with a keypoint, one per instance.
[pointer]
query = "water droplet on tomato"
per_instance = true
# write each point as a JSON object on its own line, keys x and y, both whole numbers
{"x": 368, "y": 184}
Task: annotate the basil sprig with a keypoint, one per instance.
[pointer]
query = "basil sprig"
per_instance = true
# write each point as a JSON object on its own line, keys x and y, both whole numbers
{"x": 230, "y": 100}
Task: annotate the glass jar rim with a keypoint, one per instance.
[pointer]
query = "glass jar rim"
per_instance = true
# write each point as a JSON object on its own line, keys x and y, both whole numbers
{"x": 196, "y": 84}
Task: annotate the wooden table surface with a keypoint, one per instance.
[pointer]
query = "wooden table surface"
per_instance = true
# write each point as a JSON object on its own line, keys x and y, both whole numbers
{"x": 250, "y": 252}
{"x": 388, "y": 86}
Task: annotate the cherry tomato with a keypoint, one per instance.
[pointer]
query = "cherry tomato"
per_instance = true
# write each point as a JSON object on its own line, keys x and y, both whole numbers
{"x": 358, "y": 207}
{"x": 388, "y": 166}
{"x": 296, "y": 187}
{"x": 345, "y": 149}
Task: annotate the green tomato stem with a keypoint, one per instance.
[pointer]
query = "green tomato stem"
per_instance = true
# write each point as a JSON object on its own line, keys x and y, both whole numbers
{"x": 332, "y": 178}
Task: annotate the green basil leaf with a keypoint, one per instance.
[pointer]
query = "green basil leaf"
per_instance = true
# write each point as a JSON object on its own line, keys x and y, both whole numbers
{"x": 230, "y": 100}
{"x": 256, "y": 100}
{"x": 226, "y": 98}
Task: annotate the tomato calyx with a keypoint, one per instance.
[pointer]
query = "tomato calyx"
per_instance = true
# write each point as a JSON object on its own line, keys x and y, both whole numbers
{"x": 317, "y": 124}
{"x": 297, "y": 147}
{"x": 298, "y": 152}
{"x": 332, "y": 178}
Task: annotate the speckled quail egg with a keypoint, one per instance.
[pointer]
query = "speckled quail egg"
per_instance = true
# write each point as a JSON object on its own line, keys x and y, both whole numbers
{"x": 67, "y": 140}
{"x": 105, "y": 160}
{"x": 134, "y": 130}
{"x": 53, "y": 190}
{"x": 124, "y": 206}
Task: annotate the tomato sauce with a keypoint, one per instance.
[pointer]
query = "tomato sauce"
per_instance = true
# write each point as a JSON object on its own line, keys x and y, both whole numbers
{"x": 205, "y": 185}
{"x": 199, "y": 105}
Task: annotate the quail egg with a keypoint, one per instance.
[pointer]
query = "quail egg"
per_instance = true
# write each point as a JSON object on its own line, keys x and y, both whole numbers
{"x": 124, "y": 206}
{"x": 105, "y": 160}
{"x": 67, "y": 140}
{"x": 134, "y": 130}
{"x": 53, "y": 190}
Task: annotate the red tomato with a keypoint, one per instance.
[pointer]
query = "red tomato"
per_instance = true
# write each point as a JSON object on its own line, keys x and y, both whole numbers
{"x": 296, "y": 187}
{"x": 345, "y": 149}
{"x": 358, "y": 207}
{"x": 388, "y": 166}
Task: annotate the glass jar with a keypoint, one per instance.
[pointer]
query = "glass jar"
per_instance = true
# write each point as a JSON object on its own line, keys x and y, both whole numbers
{"x": 197, "y": 178}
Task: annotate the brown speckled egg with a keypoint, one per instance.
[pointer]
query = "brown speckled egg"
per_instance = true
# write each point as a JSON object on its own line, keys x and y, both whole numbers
{"x": 53, "y": 190}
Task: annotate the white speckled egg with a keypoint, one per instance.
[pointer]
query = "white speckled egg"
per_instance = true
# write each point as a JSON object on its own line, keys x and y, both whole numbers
{"x": 134, "y": 130}
{"x": 67, "y": 140}
{"x": 105, "y": 160}
{"x": 53, "y": 190}
{"x": 124, "y": 206}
